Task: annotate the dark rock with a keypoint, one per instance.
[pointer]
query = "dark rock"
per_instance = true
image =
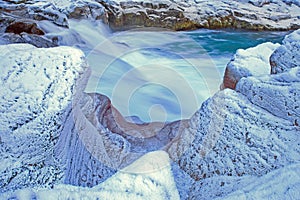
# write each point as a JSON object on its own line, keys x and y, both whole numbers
{"x": 27, "y": 27}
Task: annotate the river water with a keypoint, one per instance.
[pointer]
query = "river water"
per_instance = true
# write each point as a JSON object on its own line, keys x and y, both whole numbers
{"x": 157, "y": 75}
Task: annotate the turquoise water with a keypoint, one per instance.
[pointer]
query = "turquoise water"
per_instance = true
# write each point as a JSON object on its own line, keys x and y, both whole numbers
{"x": 226, "y": 42}
{"x": 160, "y": 76}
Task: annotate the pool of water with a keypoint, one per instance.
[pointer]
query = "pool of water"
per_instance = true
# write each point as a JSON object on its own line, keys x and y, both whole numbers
{"x": 158, "y": 75}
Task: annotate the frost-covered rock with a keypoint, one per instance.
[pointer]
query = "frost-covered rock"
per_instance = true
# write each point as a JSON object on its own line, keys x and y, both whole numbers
{"x": 150, "y": 177}
{"x": 250, "y": 62}
{"x": 287, "y": 55}
{"x": 278, "y": 94}
{"x": 36, "y": 40}
{"x": 283, "y": 183}
{"x": 235, "y": 139}
{"x": 245, "y": 134}
{"x": 37, "y": 86}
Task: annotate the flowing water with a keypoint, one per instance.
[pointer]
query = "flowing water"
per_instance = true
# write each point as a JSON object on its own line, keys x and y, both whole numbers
{"x": 157, "y": 75}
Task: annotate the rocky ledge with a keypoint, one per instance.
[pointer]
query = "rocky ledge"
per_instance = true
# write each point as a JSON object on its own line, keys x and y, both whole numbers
{"x": 169, "y": 14}
{"x": 192, "y": 14}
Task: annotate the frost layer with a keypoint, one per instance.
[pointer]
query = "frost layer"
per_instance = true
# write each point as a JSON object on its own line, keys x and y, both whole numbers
{"x": 37, "y": 86}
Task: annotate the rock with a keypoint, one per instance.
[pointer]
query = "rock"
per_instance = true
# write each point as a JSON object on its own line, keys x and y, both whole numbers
{"x": 178, "y": 15}
{"x": 19, "y": 27}
{"x": 243, "y": 136}
{"x": 278, "y": 94}
{"x": 236, "y": 139}
{"x": 250, "y": 62}
{"x": 35, "y": 93}
{"x": 282, "y": 183}
{"x": 141, "y": 179}
{"x": 92, "y": 10}
{"x": 173, "y": 137}
{"x": 164, "y": 14}
{"x": 36, "y": 40}
{"x": 175, "y": 14}
{"x": 47, "y": 11}
{"x": 287, "y": 55}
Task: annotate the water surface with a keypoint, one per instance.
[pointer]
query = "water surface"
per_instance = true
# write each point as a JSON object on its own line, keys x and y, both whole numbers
{"x": 158, "y": 75}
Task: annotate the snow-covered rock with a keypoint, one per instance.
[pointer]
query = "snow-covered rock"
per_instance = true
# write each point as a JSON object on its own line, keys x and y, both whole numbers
{"x": 191, "y": 14}
{"x": 149, "y": 177}
{"x": 250, "y": 62}
{"x": 37, "y": 87}
{"x": 287, "y": 55}
{"x": 172, "y": 14}
{"x": 282, "y": 183}
{"x": 235, "y": 139}
{"x": 245, "y": 135}
{"x": 278, "y": 94}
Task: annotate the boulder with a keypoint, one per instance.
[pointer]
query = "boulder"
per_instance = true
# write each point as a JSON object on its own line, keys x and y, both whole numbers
{"x": 248, "y": 135}
{"x": 236, "y": 139}
{"x": 250, "y": 62}
{"x": 40, "y": 145}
